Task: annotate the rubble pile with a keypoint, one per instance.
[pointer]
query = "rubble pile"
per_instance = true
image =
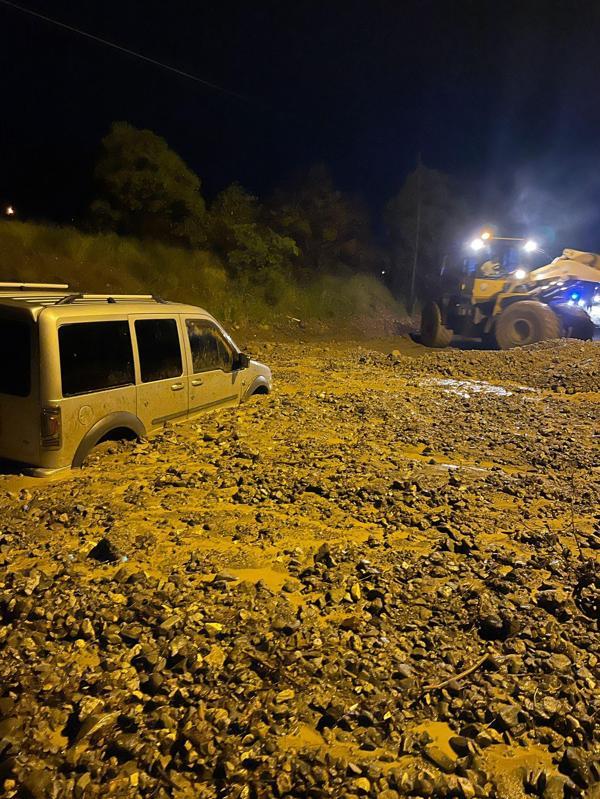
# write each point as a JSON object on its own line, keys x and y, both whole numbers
{"x": 380, "y": 581}
{"x": 568, "y": 365}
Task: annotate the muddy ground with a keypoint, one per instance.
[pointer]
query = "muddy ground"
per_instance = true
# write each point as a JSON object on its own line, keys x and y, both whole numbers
{"x": 382, "y": 580}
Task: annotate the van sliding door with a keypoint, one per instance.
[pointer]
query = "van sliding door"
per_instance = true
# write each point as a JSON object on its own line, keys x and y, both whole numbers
{"x": 162, "y": 394}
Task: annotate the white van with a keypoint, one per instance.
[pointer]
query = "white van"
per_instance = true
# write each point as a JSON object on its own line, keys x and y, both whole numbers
{"x": 80, "y": 368}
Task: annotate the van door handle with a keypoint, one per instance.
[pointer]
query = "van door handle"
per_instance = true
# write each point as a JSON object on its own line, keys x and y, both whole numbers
{"x": 177, "y": 387}
{"x": 197, "y": 382}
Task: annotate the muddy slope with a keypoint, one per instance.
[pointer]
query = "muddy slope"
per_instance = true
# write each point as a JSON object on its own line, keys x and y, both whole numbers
{"x": 382, "y": 580}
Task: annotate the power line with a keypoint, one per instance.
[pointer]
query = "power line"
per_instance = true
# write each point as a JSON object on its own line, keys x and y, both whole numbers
{"x": 141, "y": 56}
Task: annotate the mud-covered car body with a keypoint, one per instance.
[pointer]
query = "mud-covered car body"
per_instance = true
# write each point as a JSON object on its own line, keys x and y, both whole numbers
{"x": 80, "y": 368}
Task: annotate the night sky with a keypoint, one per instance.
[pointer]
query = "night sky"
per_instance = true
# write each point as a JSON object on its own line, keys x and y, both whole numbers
{"x": 502, "y": 95}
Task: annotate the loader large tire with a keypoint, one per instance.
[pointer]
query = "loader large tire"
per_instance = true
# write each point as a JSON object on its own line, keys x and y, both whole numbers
{"x": 576, "y": 322}
{"x": 433, "y": 332}
{"x": 526, "y": 322}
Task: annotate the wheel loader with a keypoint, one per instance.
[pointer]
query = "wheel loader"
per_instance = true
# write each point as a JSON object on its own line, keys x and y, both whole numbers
{"x": 520, "y": 307}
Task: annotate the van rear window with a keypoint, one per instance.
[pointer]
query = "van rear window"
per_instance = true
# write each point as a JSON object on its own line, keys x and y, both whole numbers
{"x": 95, "y": 356}
{"x": 15, "y": 358}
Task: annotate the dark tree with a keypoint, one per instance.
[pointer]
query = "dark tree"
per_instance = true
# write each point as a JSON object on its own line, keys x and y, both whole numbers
{"x": 252, "y": 250}
{"x": 422, "y": 222}
{"x": 145, "y": 189}
{"x": 331, "y": 228}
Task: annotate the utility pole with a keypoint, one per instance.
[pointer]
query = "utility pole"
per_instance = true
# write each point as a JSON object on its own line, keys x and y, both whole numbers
{"x": 411, "y": 296}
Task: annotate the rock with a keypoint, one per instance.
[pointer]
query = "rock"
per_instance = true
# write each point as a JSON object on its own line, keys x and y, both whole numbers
{"x": 285, "y": 695}
{"x": 460, "y": 745}
{"x": 214, "y": 627}
{"x": 37, "y": 784}
{"x": 492, "y": 628}
{"x": 439, "y": 758}
{"x": 362, "y": 786}
{"x": 403, "y": 671}
{"x": 551, "y": 705}
{"x": 216, "y": 657}
{"x": 355, "y": 592}
{"x": 559, "y": 662}
{"x": 508, "y": 715}
{"x": 575, "y": 765}
{"x": 105, "y": 551}
{"x": 95, "y": 723}
{"x": 284, "y": 784}
{"x": 86, "y": 629}
{"x": 466, "y": 787}
{"x": 323, "y": 555}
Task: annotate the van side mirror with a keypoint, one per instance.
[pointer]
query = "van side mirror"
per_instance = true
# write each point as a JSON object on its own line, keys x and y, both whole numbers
{"x": 242, "y": 361}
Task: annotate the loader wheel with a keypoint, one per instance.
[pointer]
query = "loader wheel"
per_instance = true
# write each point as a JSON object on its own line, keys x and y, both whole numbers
{"x": 433, "y": 332}
{"x": 526, "y": 322}
{"x": 576, "y": 322}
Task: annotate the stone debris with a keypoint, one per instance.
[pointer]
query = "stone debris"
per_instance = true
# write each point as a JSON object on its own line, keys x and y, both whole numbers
{"x": 360, "y": 586}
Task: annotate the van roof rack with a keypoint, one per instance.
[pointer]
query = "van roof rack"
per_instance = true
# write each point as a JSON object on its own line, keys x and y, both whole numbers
{"x": 44, "y": 294}
{"x": 34, "y": 286}
{"x": 69, "y": 299}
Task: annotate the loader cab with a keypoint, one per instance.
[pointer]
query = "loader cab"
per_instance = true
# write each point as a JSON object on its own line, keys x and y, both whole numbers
{"x": 503, "y": 256}
{"x": 488, "y": 270}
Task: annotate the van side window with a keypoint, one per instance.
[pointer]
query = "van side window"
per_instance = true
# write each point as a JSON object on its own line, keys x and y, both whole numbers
{"x": 15, "y": 357}
{"x": 95, "y": 356}
{"x": 158, "y": 345}
{"x": 210, "y": 350}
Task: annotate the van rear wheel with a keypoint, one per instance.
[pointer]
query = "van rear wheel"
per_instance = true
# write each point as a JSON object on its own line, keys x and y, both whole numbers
{"x": 119, "y": 425}
{"x": 433, "y": 332}
{"x": 526, "y": 322}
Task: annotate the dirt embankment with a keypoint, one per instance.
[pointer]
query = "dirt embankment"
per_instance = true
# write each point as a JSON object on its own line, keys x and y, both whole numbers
{"x": 383, "y": 580}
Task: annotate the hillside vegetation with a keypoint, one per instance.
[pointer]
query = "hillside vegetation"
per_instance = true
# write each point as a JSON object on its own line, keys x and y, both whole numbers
{"x": 307, "y": 255}
{"x": 109, "y": 262}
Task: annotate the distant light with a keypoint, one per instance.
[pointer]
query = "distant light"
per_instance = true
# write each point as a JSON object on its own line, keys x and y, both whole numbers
{"x": 383, "y": 271}
{"x": 581, "y": 303}
{"x": 571, "y": 302}
{"x": 10, "y": 211}
{"x": 486, "y": 235}
{"x": 596, "y": 298}
{"x": 520, "y": 274}
{"x": 530, "y": 245}
{"x": 476, "y": 244}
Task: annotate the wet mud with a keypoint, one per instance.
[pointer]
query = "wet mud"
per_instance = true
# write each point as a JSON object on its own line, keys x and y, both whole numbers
{"x": 382, "y": 580}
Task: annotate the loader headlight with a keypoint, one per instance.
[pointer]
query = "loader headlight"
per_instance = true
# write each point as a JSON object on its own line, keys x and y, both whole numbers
{"x": 520, "y": 274}
{"x": 530, "y": 245}
{"x": 477, "y": 244}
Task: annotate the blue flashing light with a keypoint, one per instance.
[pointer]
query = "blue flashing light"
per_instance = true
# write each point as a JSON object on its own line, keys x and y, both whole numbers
{"x": 574, "y": 296}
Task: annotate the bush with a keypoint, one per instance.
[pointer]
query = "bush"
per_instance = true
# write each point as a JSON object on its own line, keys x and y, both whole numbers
{"x": 111, "y": 263}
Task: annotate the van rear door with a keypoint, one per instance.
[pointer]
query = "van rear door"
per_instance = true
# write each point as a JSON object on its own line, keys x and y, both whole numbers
{"x": 19, "y": 387}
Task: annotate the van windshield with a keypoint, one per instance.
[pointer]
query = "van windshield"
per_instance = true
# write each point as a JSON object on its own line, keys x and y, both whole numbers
{"x": 15, "y": 358}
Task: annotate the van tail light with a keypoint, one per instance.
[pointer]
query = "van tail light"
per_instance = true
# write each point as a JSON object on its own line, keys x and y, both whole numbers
{"x": 51, "y": 428}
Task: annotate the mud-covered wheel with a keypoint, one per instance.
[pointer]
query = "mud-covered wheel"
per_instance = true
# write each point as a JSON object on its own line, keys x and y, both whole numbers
{"x": 526, "y": 322}
{"x": 576, "y": 323}
{"x": 433, "y": 332}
